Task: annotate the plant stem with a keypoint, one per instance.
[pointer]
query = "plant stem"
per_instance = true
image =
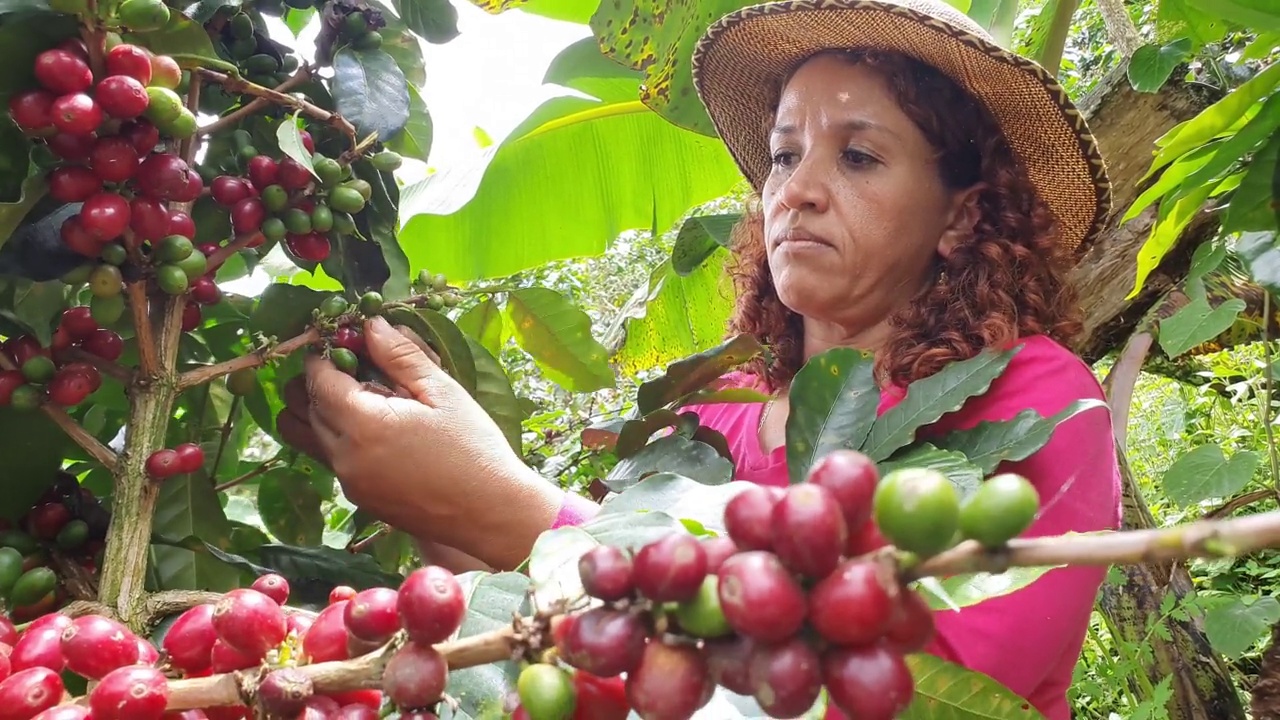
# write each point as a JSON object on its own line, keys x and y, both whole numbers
{"x": 1056, "y": 38}
{"x": 140, "y": 304}
{"x": 133, "y": 502}
{"x": 263, "y": 468}
{"x": 244, "y": 87}
{"x": 257, "y": 105}
{"x": 113, "y": 370}
{"x": 204, "y": 374}
{"x": 220, "y": 256}
{"x": 87, "y": 442}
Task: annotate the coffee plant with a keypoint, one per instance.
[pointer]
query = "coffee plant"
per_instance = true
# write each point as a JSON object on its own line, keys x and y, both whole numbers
{"x": 162, "y": 149}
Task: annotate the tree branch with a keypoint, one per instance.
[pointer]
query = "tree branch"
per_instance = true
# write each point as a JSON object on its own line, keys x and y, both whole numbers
{"x": 89, "y": 443}
{"x": 1238, "y": 502}
{"x": 244, "y": 87}
{"x": 261, "y": 469}
{"x": 204, "y": 374}
{"x": 256, "y": 105}
{"x": 139, "y": 303}
{"x": 1203, "y": 538}
{"x": 220, "y": 256}
{"x": 111, "y": 369}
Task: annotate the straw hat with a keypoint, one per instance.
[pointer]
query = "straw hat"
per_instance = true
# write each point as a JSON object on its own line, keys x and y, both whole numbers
{"x": 740, "y": 60}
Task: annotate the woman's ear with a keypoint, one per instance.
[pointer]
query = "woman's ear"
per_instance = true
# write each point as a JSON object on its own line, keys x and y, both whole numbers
{"x": 961, "y": 219}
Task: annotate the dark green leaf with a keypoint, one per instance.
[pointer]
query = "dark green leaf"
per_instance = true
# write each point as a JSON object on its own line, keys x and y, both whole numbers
{"x": 188, "y": 507}
{"x": 603, "y": 435}
{"x": 492, "y": 602}
{"x": 671, "y": 454}
{"x": 946, "y": 691}
{"x": 284, "y": 311}
{"x": 635, "y": 433}
{"x": 930, "y": 398}
{"x": 435, "y": 21}
{"x": 558, "y": 337}
{"x": 370, "y": 91}
{"x": 633, "y": 530}
{"x": 37, "y": 306}
{"x": 833, "y": 405}
{"x": 1152, "y": 64}
{"x": 727, "y": 395}
{"x": 23, "y": 35}
{"x": 1253, "y": 204}
{"x": 203, "y": 11}
{"x": 963, "y": 474}
{"x": 445, "y": 338}
{"x": 676, "y": 496}
{"x": 18, "y": 6}
{"x": 1197, "y": 322}
{"x": 1261, "y": 256}
{"x": 380, "y": 222}
{"x": 992, "y": 442}
{"x": 180, "y": 37}
{"x": 699, "y": 237}
{"x": 32, "y": 190}
{"x": 401, "y": 43}
{"x": 486, "y": 323}
{"x": 290, "y": 508}
{"x": 695, "y": 372}
{"x": 1236, "y": 625}
{"x": 960, "y": 591}
{"x": 494, "y": 394}
{"x": 31, "y": 451}
{"x": 16, "y": 182}
{"x": 414, "y": 141}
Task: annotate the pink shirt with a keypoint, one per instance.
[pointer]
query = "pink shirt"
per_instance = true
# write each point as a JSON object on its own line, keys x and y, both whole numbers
{"x": 1028, "y": 640}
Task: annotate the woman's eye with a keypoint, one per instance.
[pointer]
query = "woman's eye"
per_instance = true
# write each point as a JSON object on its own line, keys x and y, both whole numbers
{"x": 855, "y": 157}
{"x": 782, "y": 158}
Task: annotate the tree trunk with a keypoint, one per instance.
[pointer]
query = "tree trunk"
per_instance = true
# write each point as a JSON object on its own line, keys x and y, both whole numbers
{"x": 1202, "y": 686}
{"x": 1266, "y": 691}
{"x": 1126, "y": 124}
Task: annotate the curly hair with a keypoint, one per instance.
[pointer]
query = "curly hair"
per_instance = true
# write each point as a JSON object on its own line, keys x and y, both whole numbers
{"x": 1006, "y": 281}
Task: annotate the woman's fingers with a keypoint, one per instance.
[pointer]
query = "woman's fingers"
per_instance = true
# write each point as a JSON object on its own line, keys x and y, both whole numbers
{"x": 300, "y": 435}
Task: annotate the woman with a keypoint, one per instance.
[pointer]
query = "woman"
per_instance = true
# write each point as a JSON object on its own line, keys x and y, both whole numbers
{"x": 921, "y": 192}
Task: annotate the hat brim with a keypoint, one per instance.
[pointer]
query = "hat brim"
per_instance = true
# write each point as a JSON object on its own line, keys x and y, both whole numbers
{"x": 739, "y": 63}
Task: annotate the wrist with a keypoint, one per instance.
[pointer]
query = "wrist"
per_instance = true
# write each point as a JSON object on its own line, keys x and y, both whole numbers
{"x": 531, "y": 506}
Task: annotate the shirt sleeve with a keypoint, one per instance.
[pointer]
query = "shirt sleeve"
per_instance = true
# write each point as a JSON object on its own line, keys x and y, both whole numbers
{"x": 575, "y": 510}
{"x": 1020, "y": 638}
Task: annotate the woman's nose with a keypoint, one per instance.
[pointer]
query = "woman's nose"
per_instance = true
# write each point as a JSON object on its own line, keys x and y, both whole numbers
{"x": 806, "y": 187}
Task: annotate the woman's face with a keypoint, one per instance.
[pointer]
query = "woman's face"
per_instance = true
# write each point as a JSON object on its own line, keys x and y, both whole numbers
{"x": 854, "y": 210}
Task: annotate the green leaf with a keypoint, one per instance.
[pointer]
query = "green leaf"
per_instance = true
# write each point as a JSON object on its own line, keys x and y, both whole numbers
{"x": 671, "y": 454}
{"x": 680, "y": 315}
{"x": 1262, "y": 258}
{"x": 486, "y": 323}
{"x": 960, "y": 591}
{"x": 1151, "y": 64}
{"x": 188, "y": 506}
{"x": 32, "y": 191}
{"x": 1214, "y": 119}
{"x": 435, "y": 21}
{"x": 959, "y": 470}
{"x": 1172, "y": 219}
{"x": 298, "y": 20}
{"x": 180, "y": 36}
{"x": 635, "y": 433}
{"x": 289, "y": 135}
{"x": 1257, "y": 15}
{"x": 992, "y": 442}
{"x": 1204, "y": 473}
{"x": 370, "y": 90}
{"x": 1258, "y": 129}
{"x": 380, "y": 222}
{"x": 414, "y": 140}
{"x": 833, "y": 399}
{"x": 19, "y": 6}
{"x": 696, "y": 372}
{"x": 290, "y": 508}
{"x": 657, "y": 38}
{"x": 611, "y": 166}
{"x": 558, "y": 337}
{"x": 582, "y": 67}
{"x": 1172, "y": 179}
{"x": 405, "y": 47}
{"x": 494, "y": 394}
{"x": 284, "y": 311}
{"x": 930, "y": 398}
{"x": 445, "y": 338}
{"x": 699, "y": 237}
{"x": 37, "y": 306}
{"x": 726, "y": 395}
{"x": 32, "y": 448}
{"x": 947, "y": 691}
{"x": 553, "y": 563}
{"x": 677, "y": 496}
{"x": 1253, "y": 205}
{"x": 203, "y": 11}
{"x": 1197, "y": 322}
{"x": 1235, "y": 626}
{"x": 1179, "y": 18}
{"x": 492, "y": 601}
{"x": 632, "y": 529}
{"x": 23, "y": 35}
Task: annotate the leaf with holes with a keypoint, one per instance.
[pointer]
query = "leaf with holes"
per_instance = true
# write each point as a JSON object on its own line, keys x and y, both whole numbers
{"x": 833, "y": 405}
{"x": 558, "y": 337}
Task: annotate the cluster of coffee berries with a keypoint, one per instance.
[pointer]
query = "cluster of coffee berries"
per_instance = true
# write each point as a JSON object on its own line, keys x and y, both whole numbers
{"x": 66, "y": 519}
{"x": 181, "y": 460}
{"x": 281, "y": 201}
{"x": 785, "y": 604}
{"x": 435, "y": 291}
{"x": 358, "y": 32}
{"x": 550, "y": 692}
{"x": 259, "y": 60}
{"x": 48, "y": 374}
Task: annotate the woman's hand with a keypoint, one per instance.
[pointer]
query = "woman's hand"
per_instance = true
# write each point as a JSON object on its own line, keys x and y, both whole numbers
{"x": 429, "y": 461}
